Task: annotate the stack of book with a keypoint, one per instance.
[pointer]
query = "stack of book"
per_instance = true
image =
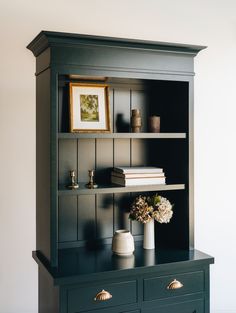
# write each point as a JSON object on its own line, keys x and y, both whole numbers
{"x": 137, "y": 176}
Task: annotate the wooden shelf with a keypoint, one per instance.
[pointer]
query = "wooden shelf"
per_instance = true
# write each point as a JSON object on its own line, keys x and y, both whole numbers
{"x": 121, "y": 135}
{"x": 105, "y": 189}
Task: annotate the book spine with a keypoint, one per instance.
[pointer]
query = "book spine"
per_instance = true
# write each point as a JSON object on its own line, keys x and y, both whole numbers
{"x": 137, "y": 182}
{"x": 139, "y": 170}
{"x": 134, "y": 175}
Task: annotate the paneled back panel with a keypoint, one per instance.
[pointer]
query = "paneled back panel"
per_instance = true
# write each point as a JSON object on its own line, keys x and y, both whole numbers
{"x": 86, "y": 217}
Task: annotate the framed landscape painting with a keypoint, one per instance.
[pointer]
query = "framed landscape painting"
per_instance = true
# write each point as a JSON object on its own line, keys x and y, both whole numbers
{"x": 89, "y": 108}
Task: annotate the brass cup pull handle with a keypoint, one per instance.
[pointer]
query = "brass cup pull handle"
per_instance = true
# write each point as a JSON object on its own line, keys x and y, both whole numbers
{"x": 175, "y": 284}
{"x": 103, "y": 296}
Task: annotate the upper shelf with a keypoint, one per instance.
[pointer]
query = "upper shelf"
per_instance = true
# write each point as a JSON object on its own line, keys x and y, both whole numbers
{"x": 103, "y": 189}
{"x": 122, "y": 135}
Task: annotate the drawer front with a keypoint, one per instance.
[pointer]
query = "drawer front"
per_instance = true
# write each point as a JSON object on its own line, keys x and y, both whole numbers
{"x": 113, "y": 310}
{"x": 160, "y": 287}
{"x": 196, "y": 306}
{"x": 83, "y": 298}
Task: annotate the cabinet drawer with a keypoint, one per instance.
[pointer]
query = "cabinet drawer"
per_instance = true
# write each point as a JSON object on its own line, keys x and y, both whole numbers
{"x": 83, "y": 298}
{"x": 157, "y": 287}
{"x": 196, "y": 306}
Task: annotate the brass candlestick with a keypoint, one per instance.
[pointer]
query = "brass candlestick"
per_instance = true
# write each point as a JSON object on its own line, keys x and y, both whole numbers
{"x": 91, "y": 184}
{"x": 73, "y": 184}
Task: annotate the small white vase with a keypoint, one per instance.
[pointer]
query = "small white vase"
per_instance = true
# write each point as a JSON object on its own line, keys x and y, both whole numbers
{"x": 123, "y": 243}
{"x": 149, "y": 235}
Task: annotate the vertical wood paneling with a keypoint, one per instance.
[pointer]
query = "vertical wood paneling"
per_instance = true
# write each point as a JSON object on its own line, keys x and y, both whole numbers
{"x": 104, "y": 216}
{"x": 86, "y": 158}
{"x": 67, "y": 214}
{"x": 137, "y": 228}
{"x": 138, "y": 148}
{"x": 99, "y": 216}
{"x": 121, "y": 110}
{"x": 121, "y": 152}
{"x": 86, "y": 217}
{"x": 122, "y": 106}
{"x": 67, "y": 160}
{"x": 121, "y": 211}
{"x": 104, "y": 163}
{"x": 104, "y": 160}
{"x": 138, "y": 152}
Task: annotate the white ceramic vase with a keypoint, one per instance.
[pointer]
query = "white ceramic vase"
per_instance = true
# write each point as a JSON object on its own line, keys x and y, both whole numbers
{"x": 149, "y": 235}
{"x": 123, "y": 243}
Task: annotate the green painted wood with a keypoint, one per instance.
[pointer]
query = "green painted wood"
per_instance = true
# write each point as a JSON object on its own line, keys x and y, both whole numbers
{"x": 195, "y": 306}
{"x": 104, "y": 213}
{"x": 43, "y": 162}
{"x": 49, "y": 38}
{"x": 82, "y": 298}
{"x": 86, "y": 218}
{"x": 121, "y": 110}
{"x": 119, "y": 309}
{"x": 86, "y": 158}
{"x": 146, "y": 56}
{"x": 85, "y": 264}
{"x": 48, "y": 294}
{"x": 123, "y": 135}
{"x": 156, "y": 288}
{"x": 121, "y": 211}
{"x": 116, "y": 189}
{"x": 67, "y": 219}
{"x": 104, "y": 216}
{"x": 100, "y": 270}
{"x": 67, "y": 160}
{"x": 157, "y": 78}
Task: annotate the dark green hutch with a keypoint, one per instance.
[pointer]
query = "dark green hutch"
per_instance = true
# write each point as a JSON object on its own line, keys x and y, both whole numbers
{"x": 75, "y": 227}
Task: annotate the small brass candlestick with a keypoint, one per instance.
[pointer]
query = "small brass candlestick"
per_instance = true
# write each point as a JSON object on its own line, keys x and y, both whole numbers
{"x": 73, "y": 184}
{"x": 91, "y": 184}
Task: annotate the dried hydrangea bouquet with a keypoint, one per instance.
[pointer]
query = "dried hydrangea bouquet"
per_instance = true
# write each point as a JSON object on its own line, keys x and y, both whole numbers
{"x": 148, "y": 209}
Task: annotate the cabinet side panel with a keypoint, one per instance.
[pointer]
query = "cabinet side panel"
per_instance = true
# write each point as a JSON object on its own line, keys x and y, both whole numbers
{"x": 48, "y": 294}
{"x": 43, "y": 163}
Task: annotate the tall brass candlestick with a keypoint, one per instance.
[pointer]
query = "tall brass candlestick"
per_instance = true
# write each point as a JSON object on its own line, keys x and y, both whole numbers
{"x": 73, "y": 184}
{"x": 91, "y": 184}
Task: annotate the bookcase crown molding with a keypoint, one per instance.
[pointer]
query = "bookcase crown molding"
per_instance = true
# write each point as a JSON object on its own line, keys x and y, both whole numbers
{"x": 47, "y": 39}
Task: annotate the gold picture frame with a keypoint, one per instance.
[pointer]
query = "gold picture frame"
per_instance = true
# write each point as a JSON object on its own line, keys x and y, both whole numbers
{"x": 89, "y": 108}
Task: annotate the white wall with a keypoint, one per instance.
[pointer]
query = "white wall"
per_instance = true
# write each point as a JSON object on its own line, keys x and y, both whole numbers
{"x": 204, "y": 22}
